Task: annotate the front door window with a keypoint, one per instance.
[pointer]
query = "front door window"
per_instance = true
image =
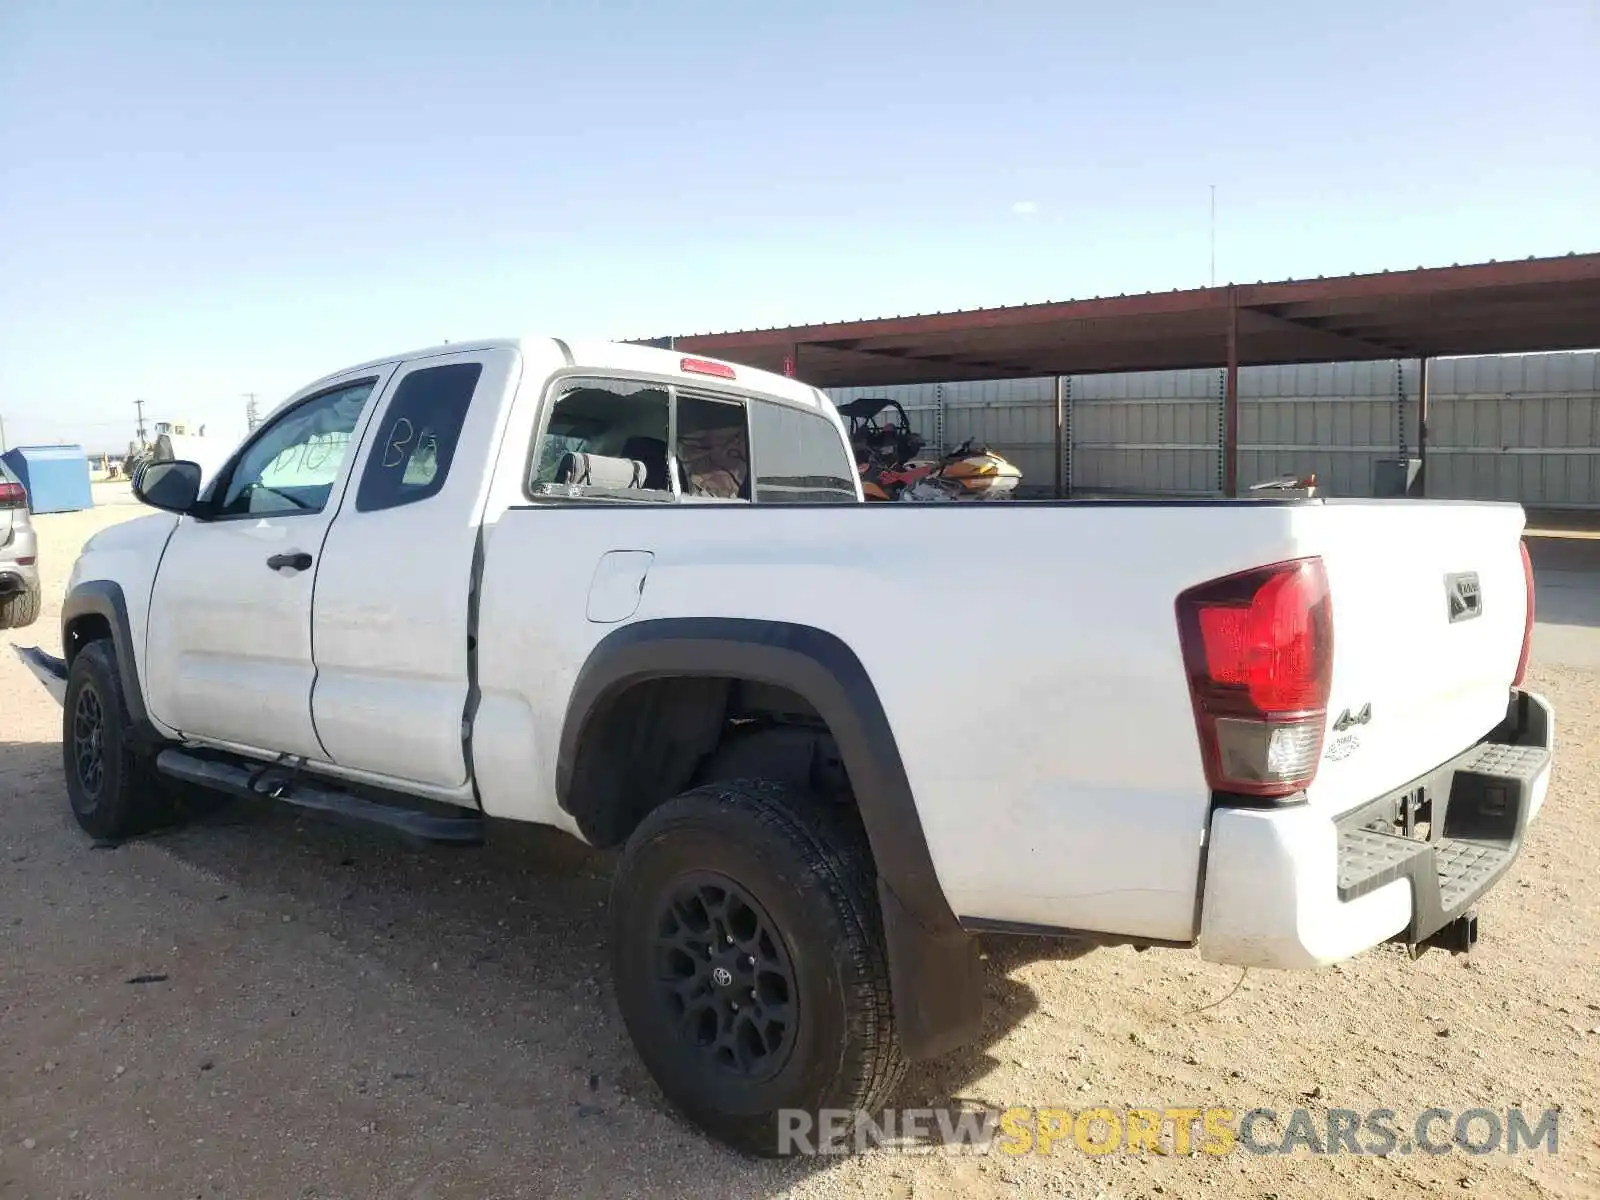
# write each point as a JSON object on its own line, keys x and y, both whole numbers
{"x": 293, "y": 464}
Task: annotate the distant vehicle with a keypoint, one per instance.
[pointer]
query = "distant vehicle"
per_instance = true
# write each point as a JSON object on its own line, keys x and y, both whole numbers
{"x": 19, "y": 555}
{"x": 142, "y": 449}
{"x": 637, "y": 596}
{"x": 886, "y": 449}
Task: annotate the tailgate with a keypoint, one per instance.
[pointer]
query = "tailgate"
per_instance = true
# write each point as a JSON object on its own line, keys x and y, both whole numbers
{"x": 1429, "y": 607}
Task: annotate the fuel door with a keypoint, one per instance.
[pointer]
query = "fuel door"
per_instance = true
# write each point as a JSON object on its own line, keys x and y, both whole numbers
{"x": 618, "y": 584}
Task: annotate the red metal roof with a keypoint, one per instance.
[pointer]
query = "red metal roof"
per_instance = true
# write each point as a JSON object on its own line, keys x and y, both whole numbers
{"x": 1487, "y": 308}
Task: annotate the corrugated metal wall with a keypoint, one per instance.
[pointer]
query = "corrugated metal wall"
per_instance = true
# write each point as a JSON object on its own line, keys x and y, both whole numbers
{"x": 1523, "y": 427}
{"x": 1518, "y": 427}
{"x": 1334, "y": 419}
{"x": 1150, "y": 431}
{"x": 1017, "y": 417}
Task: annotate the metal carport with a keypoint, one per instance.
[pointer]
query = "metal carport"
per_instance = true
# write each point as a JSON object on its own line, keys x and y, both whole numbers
{"x": 1537, "y": 304}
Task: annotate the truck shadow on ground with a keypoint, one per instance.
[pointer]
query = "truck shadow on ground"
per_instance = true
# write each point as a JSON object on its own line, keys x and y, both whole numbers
{"x": 505, "y": 949}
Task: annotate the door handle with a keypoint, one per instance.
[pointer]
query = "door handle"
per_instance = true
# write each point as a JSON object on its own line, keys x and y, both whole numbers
{"x": 298, "y": 561}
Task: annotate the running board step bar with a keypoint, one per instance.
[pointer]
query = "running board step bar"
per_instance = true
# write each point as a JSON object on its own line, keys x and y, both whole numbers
{"x": 1476, "y": 806}
{"x": 271, "y": 781}
{"x": 1463, "y": 867}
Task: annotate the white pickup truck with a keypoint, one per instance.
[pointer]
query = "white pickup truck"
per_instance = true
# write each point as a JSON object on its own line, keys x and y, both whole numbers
{"x": 636, "y": 596}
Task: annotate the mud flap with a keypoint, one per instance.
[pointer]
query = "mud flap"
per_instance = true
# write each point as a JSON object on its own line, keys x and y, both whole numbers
{"x": 937, "y": 982}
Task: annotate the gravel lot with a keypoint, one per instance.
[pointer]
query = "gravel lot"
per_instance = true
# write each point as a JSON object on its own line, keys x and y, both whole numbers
{"x": 329, "y": 1015}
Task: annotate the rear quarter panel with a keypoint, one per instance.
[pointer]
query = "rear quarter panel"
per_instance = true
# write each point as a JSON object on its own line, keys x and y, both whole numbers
{"x": 1026, "y": 657}
{"x": 19, "y": 541}
{"x": 1431, "y": 687}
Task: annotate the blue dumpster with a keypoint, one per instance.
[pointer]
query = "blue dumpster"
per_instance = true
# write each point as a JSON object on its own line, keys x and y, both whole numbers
{"x": 56, "y": 477}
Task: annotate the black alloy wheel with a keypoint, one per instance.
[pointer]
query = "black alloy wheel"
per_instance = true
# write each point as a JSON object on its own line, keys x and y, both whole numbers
{"x": 724, "y": 976}
{"x": 88, "y": 742}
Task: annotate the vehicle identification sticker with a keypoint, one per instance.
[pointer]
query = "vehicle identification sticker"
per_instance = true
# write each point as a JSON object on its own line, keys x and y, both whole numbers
{"x": 1343, "y": 747}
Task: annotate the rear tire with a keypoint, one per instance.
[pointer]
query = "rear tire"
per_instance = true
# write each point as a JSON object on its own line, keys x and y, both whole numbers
{"x": 749, "y": 963}
{"x": 111, "y": 784}
{"x": 20, "y": 608}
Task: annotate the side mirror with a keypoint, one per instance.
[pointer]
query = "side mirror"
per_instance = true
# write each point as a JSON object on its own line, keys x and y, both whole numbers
{"x": 173, "y": 485}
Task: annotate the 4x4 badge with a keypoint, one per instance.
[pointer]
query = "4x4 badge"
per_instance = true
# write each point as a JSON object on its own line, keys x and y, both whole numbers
{"x": 1348, "y": 721}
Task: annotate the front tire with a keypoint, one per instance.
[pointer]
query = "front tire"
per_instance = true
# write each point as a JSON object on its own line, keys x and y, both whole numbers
{"x": 749, "y": 962}
{"x": 111, "y": 784}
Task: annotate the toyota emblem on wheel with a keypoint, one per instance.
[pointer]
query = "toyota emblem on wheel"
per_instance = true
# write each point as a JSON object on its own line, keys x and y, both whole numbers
{"x": 721, "y": 976}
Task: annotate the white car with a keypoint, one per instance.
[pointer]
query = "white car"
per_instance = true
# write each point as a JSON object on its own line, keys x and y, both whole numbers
{"x": 635, "y": 595}
{"x": 20, "y": 593}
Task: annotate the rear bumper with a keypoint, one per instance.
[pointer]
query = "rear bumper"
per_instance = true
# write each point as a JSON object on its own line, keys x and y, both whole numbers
{"x": 1295, "y": 887}
{"x": 16, "y": 576}
{"x": 15, "y": 579}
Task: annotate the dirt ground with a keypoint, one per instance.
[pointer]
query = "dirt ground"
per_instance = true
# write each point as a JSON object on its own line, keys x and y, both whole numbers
{"x": 324, "y": 1014}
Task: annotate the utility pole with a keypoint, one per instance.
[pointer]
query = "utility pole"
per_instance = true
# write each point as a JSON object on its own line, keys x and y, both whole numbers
{"x": 139, "y": 404}
{"x": 252, "y": 418}
{"x": 1213, "y": 235}
{"x": 3, "y": 446}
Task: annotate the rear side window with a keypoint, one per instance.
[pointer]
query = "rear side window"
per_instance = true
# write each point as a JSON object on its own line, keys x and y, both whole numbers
{"x": 713, "y": 448}
{"x": 800, "y": 458}
{"x": 417, "y": 435}
{"x": 606, "y": 439}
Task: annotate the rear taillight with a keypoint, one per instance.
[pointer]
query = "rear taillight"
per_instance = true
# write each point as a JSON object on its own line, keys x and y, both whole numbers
{"x": 1527, "y": 624}
{"x": 1258, "y": 648}
{"x": 12, "y": 495}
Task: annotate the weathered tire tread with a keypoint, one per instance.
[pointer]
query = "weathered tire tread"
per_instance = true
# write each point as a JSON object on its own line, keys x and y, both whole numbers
{"x": 21, "y": 608}
{"x": 829, "y": 844}
{"x": 142, "y": 804}
{"x": 831, "y": 836}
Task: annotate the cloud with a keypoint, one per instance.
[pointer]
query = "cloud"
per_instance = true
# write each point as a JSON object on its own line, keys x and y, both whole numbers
{"x": 1024, "y": 208}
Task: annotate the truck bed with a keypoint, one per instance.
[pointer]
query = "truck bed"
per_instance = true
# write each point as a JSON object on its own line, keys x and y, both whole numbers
{"x": 1028, "y": 659}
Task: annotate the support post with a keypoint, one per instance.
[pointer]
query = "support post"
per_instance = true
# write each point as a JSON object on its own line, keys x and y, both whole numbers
{"x": 1061, "y": 426}
{"x": 1402, "y": 446}
{"x": 1422, "y": 426}
{"x": 1230, "y": 403}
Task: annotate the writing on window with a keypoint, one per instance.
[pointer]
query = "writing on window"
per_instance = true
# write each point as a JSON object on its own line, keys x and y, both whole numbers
{"x": 417, "y": 436}
{"x": 293, "y": 463}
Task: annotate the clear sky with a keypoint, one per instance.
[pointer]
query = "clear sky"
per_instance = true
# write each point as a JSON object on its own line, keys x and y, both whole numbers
{"x": 201, "y": 198}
